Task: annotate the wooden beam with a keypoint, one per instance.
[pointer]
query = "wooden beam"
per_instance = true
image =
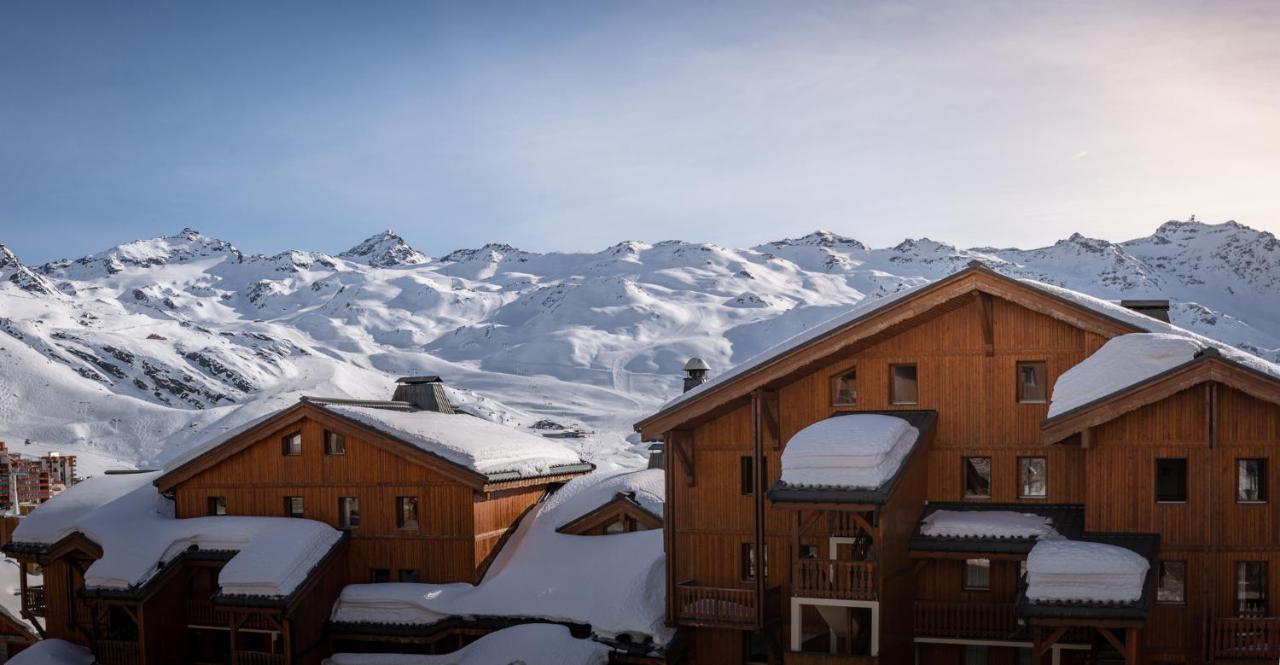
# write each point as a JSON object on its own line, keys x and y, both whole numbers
{"x": 988, "y": 323}
{"x": 771, "y": 418}
{"x": 1115, "y": 641}
{"x": 865, "y": 526}
{"x": 685, "y": 456}
{"x": 1042, "y": 647}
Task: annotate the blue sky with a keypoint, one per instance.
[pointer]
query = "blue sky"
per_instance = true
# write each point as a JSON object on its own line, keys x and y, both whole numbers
{"x": 575, "y": 125}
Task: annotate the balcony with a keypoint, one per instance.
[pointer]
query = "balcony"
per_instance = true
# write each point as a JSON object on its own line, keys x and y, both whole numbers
{"x": 719, "y": 607}
{"x": 844, "y": 580}
{"x": 970, "y": 621}
{"x": 801, "y": 658}
{"x": 258, "y": 658}
{"x": 203, "y": 613}
{"x": 33, "y": 601}
{"x": 1246, "y": 638}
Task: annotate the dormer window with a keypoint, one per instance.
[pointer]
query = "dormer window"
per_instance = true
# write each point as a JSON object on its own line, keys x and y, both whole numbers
{"x": 844, "y": 388}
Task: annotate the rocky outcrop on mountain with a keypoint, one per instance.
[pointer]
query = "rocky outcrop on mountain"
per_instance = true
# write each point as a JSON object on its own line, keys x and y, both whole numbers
{"x": 385, "y": 250}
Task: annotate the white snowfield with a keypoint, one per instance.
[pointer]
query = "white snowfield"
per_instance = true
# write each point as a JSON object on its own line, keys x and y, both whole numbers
{"x": 135, "y": 526}
{"x": 531, "y": 644}
{"x": 53, "y": 652}
{"x": 859, "y": 451}
{"x": 987, "y": 524}
{"x": 1064, "y": 571}
{"x": 613, "y": 583}
{"x": 468, "y": 441}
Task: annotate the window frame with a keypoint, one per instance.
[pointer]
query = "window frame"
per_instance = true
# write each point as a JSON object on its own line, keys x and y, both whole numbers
{"x": 329, "y": 437}
{"x": 344, "y": 513}
{"x": 747, "y": 565}
{"x": 965, "y": 584}
{"x": 1266, "y": 597}
{"x": 1019, "y": 384}
{"x": 288, "y": 506}
{"x": 286, "y": 447}
{"x": 964, "y": 470}
{"x": 373, "y": 575}
{"x": 1262, "y": 485}
{"x": 835, "y": 388}
{"x": 1022, "y": 494}
{"x": 893, "y": 398}
{"x": 216, "y": 506}
{"x": 1186, "y": 479}
{"x": 400, "y": 576}
{"x": 401, "y": 523}
{"x": 1160, "y": 568}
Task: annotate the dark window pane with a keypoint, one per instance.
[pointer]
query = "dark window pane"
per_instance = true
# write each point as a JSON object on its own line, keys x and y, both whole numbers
{"x": 334, "y": 443}
{"x": 407, "y": 512}
{"x": 1171, "y": 480}
{"x": 1251, "y": 588}
{"x": 977, "y": 574}
{"x": 747, "y": 469}
{"x": 379, "y": 575}
{"x": 1032, "y": 382}
{"x": 348, "y": 512}
{"x": 1251, "y": 480}
{"x": 293, "y": 444}
{"x": 977, "y": 477}
{"x": 217, "y": 505}
{"x": 1033, "y": 477}
{"x": 1173, "y": 582}
{"x": 293, "y": 506}
{"x": 844, "y": 392}
{"x": 748, "y": 561}
{"x": 903, "y": 387}
{"x": 407, "y": 575}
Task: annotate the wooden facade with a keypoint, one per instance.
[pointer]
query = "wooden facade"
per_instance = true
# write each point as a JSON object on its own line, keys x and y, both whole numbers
{"x": 966, "y": 336}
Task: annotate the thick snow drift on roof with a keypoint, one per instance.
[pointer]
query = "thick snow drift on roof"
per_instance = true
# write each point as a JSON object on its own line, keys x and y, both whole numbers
{"x": 1122, "y": 362}
{"x": 647, "y": 487}
{"x": 986, "y": 524}
{"x": 53, "y": 652}
{"x": 1077, "y": 571}
{"x": 532, "y": 644}
{"x": 134, "y": 525}
{"x": 860, "y": 451}
{"x": 614, "y": 583}
{"x": 467, "y": 441}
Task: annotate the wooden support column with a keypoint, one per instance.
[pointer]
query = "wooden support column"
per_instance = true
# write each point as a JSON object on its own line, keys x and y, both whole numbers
{"x": 1131, "y": 651}
{"x": 682, "y": 443}
{"x": 757, "y": 441}
{"x": 771, "y": 419}
{"x": 669, "y": 524}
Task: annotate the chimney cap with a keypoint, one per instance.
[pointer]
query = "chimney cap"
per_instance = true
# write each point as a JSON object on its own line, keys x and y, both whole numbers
{"x": 696, "y": 363}
{"x": 413, "y": 380}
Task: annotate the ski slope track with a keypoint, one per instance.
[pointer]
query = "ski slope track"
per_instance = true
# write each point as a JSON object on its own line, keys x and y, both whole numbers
{"x": 134, "y": 354}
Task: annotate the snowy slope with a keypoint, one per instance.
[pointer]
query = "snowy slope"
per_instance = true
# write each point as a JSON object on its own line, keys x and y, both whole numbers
{"x": 140, "y": 351}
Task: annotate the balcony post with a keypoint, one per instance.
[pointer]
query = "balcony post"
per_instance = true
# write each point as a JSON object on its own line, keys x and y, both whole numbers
{"x": 762, "y": 559}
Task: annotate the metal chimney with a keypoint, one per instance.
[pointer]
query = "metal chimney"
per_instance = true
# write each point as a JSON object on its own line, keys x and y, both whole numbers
{"x": 695, "y": 373}
{"x": 1156, "y": 309}
{"x": 423, "y": 392}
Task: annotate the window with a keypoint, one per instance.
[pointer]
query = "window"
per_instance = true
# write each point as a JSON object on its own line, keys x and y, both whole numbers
{"x": 1171, "y": 480}
{"x": 616, "y": 526}
{"x": 348, "y": 512}
{"x": 1033, "y": 478}
{"x": 756, "y": 648}
{"x": 1251, "y": 588}
{"x": 217, "y": 505}
{"x": 379, "y": 575}
{"x": 408, "y": 575}
{"x": 1172, "y": 589}
{"x": 844, "y": 389}
{"x": 1251, "y": 480}
{"x": 808, "y": 551}
{"x": 334, "y": 443}
{"x": 902, "y": 384}
{"x": 1033, "y": 382}
{"x": 293, "y": 506}
{"x": 748, "y": 472}
{"x": 748, "y": 562}
{"x": 977, "y": 574}
{"x": 975, "y": 655}
{"x": 407, "y": 513}
{"x": 292, "y": 444}
{"x": 977, "y": 477}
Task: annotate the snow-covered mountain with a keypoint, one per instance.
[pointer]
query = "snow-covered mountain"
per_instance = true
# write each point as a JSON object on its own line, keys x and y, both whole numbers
{"x": 137, "y": 352}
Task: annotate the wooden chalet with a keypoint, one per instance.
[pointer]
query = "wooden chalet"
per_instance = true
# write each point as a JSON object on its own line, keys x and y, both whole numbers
{"x": 1174, "y": 468}
{"x": 408, "y": 510}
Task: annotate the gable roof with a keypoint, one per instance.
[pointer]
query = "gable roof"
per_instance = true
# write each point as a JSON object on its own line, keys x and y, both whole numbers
{"x": 621, "y": 505}
{"x": 869, "y": 322}
{"x": 465, "y": 448}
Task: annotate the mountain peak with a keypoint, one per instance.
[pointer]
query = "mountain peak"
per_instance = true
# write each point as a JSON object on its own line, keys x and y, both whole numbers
{"x": 491, "y": 252}
{"x": 384, "y": 250}
{"x": 12, "y": 271}
{"x": 820, "y": 238}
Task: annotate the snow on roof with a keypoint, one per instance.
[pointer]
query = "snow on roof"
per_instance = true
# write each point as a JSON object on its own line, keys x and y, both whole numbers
{"x": 134, "y": 525}
{"x": 646, "y": 487}
{"x": 532, "y": 644}
{"x": 542, "y": 573}
{"x": 986, "y": 524}
{"x": 1061, "y": 571}
{"x": 470, "y": 442}
{"x": 1122, "y": 362}
{"x": 53, "y": 652}
{"x": 857, "y": 451}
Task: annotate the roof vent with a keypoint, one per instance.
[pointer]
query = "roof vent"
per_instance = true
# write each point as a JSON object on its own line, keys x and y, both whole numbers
{"x": 695, "y": 373}
{"x": 423, "y": 392}
{"x": 1156, "y": 309}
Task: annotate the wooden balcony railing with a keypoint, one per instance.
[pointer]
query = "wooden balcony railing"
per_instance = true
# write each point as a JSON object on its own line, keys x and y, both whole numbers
{"x": 715, "y": 607}
{"x": 803, "y": 658}
{"x": 203, "y": 613}
{"x": 117, "y": 652}
{"x": 33, "y": 601}
{"x": 846, "y": 580}
{"x": 258, "y": 658}
{"x": 972, "y": 621}
{"x": 1256, "y": 638}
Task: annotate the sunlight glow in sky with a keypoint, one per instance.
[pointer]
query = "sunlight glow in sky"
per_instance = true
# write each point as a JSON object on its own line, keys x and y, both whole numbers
{"x": 572, "y": 126}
